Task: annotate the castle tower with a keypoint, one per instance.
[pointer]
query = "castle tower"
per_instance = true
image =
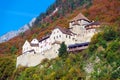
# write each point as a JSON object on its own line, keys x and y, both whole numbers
{"x": 78, "y": 23}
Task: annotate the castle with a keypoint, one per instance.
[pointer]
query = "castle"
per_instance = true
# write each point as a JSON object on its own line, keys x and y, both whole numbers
{"x": 80, "y": 31}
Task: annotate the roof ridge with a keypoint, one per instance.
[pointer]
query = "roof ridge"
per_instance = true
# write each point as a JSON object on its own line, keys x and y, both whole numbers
{"x": 80, "y": 16}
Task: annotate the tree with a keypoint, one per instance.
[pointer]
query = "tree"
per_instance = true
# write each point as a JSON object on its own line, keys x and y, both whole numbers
{"x": 109, "y": 33}
{"x": 13, "y": 49}
{"x": 62, "y": 50}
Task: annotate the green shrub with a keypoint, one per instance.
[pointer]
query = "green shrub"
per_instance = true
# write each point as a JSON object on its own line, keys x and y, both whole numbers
{"x": 62, "y": 50}
{"x": 7, "y": 66}
{"x": 110, "y": 33}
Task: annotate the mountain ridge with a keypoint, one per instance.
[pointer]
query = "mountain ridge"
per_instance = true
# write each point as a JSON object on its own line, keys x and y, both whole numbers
{"x": 12, "y": 34}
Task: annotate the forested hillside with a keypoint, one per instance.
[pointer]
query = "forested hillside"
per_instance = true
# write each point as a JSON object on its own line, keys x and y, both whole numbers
{"x": 107, "y": 12}
{"x": 45, "y": 22}
{"x": 101, "y": 61}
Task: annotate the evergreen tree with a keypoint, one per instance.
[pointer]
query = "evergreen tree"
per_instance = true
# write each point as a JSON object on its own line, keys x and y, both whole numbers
{"x": 13, "y": 49}
{"x": 62, "y": 50}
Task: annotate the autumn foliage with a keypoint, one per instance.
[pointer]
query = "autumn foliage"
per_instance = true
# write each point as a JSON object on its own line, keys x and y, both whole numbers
{"x": 105, "y": 11}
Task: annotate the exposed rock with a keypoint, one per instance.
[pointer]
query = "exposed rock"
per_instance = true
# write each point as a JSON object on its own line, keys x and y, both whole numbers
{"x": 13, "y": 34}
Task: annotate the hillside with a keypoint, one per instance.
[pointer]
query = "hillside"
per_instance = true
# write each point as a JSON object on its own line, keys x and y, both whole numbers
{"x": 43, "y": 25}
{"x": 100, "y": 61}
{"x": 101, "y": 58}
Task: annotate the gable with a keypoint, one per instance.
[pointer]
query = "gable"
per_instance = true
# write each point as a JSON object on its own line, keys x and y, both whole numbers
{"x": 26, "y": 44}
{"x": 34, "y": 41}
{"x": 80, "y": 16}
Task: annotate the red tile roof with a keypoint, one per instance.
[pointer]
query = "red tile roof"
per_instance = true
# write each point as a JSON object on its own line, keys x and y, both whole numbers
{"x": 65, "y": 31}
{"x": 30, "y": 51}
{"x": 44, "y": 38}
{"x": 80, "y": 16}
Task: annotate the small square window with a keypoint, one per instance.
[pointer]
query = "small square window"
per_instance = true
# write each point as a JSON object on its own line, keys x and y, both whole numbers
{"x": 59, "y": 35}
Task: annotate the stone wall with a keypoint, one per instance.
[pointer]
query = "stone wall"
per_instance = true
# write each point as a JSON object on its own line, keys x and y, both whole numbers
{"x": 29, "y": 60}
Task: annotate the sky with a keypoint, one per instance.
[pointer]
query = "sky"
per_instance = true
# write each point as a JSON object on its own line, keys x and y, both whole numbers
{"x": 16, "y": 13}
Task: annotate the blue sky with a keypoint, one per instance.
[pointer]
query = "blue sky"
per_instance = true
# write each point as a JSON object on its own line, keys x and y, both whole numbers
{"x": 15, "y": 13}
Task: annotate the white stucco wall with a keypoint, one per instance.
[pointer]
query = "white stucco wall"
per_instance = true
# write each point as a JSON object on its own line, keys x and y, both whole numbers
{"x": 78, "y": 28}
{"x": 44, "y": 45}
{"x": 34, "y": 41}
{"x": 56, "y": 35}
{"x": 26, "y": 47}
{"x": 83, "y": 22}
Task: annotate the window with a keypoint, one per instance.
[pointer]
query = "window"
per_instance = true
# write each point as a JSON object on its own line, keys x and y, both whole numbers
{"x": 69, "y": 37}
{"x": 59, "y": 35}
{"x": 73, "y": 38}
{"x": 56, "y": 36}
{"x": 66, "y": 36}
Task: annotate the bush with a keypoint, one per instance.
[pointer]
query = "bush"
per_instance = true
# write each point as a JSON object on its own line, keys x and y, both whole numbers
{"x": 110, "y": 33}
{"x": 7, "y": 66}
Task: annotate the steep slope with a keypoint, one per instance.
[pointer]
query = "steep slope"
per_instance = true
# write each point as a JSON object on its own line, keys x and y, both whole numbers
{"x": 45, "y": 23}
{"x": 101, "y": 61}
{"x": 102, "y": 57}
{"x": 67, "y": 9}
{"x": 107, "y": 11}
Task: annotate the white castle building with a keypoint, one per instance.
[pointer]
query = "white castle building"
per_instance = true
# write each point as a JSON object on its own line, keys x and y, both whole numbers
{"x": 79, "y": 34}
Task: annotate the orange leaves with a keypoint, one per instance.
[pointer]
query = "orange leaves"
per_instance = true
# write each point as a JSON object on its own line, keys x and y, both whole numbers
{"x": 106, "y": 10}
{"x": 101, "y": 10}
